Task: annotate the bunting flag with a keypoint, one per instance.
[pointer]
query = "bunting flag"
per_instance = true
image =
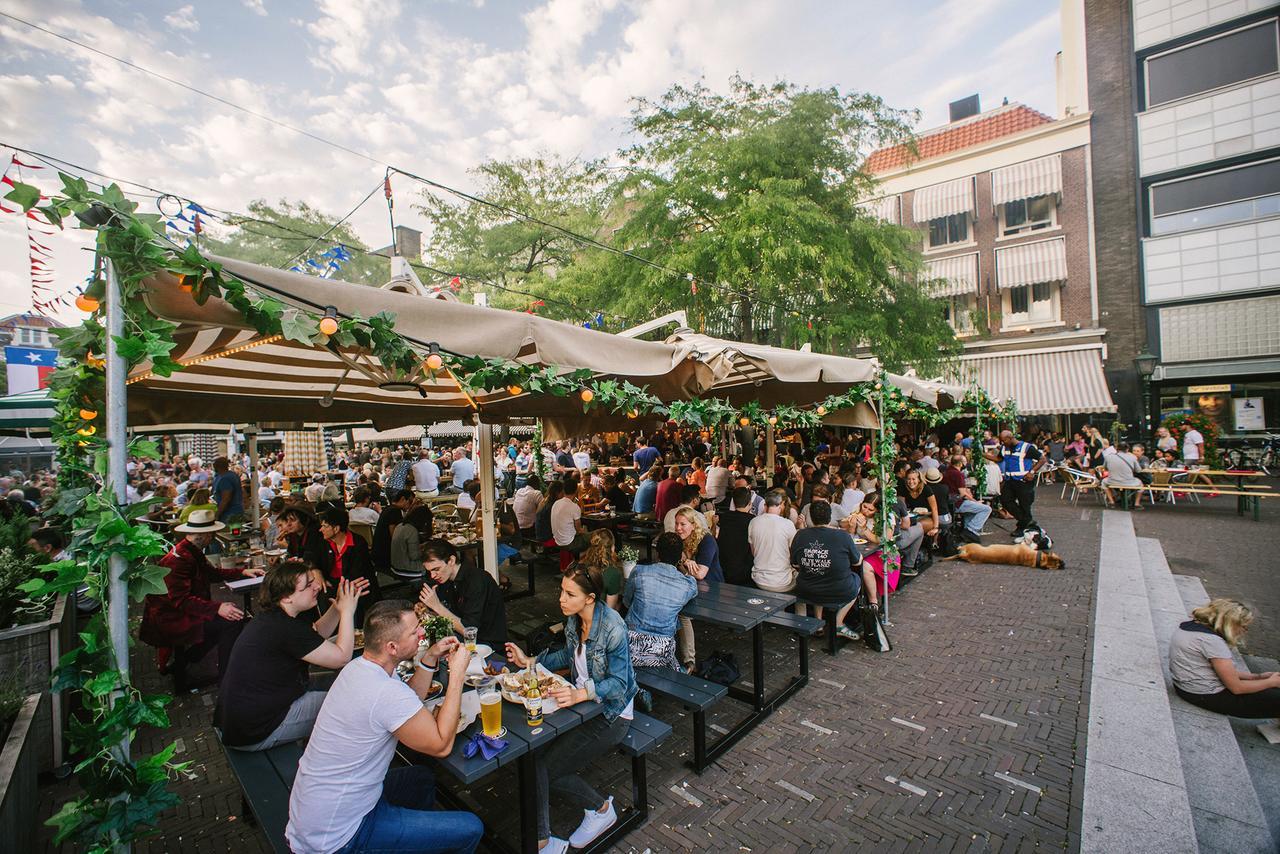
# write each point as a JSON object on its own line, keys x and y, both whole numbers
{"x": 39, "y": 255}
{"x": 327, "y": 263}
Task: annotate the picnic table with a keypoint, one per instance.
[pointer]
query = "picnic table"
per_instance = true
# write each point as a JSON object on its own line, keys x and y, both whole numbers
{"x": 522, "y": 741}
{"x": 745, "y": 609}
{"x": 1246, "y": 494}
{"x": 613, "y": 521}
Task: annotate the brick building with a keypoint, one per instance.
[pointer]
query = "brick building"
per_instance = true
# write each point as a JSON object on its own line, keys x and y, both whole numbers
{"x": 1185, "y": 97}
{"x": 1003, "y": 201}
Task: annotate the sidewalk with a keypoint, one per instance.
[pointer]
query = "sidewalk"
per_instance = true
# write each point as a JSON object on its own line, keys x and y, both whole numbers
{"x": 968, "y": 736}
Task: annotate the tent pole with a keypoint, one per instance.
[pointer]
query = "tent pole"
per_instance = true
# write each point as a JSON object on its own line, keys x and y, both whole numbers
{"x": 769, "y": 453}
{"x": 884, "y": 511}
{"x": 484, "y": 465}
{"x": 255, "y": 511}
{"x": 117, "y": 478}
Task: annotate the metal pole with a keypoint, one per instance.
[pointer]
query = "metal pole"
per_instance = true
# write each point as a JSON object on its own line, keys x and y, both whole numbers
{"x": 116, "y": 480}
{"x": 255, "y": 512}
{"x": 484, "y": 465}
{"x": 885, "y": 510}
{"x": 769, "y": 454}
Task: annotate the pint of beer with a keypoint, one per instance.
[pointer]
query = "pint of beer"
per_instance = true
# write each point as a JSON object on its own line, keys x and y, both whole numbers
{"x": 491, "y": 712}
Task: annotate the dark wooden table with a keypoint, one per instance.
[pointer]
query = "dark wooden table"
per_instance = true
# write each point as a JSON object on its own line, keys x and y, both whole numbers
{"x": 614, "y": 522}
{"x": 745, "y": 609}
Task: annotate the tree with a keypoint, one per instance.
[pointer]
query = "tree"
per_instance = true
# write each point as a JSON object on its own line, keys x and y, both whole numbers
{"x": 755, "y": 193}
{"x": 487, "y": 242}
{"x": 284, "y": 235}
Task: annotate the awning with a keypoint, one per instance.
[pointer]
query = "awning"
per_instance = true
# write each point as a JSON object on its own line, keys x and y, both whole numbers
{"x": 28, "y": 409}
{"x": 1030, "y": 263}
{"x": 1039, "y": 177}
{"x": 888, "y": 209}
{"x": 942, "y": 200}
{"x": 959, "y": 275}
{"x": 1044, "y": 382}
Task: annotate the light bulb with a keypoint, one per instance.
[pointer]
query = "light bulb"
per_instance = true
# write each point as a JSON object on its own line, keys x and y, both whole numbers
{"x": 633, "y": 413}
{"x": 587, "y": 395}
{"x": 328, "y": 325}
{"x": 86, "y": 303}
{"x": 822, "y": 410}
{"x": 773, "y": 419}
{"x": 434, "y": 362}
{"x": 744, "y": 421}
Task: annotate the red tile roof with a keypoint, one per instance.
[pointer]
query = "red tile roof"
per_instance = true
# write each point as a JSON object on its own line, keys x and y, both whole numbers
{"x": 976, "y": 130}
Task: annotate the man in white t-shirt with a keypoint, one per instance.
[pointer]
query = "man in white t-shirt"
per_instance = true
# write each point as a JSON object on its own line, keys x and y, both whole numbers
{"x": 277, "y": 479}
{"x": 717, "y": 480}
{"x": 1192, "y": 447}
{"x": 426, "y": 476}
{"x": 566, "y": 517}
{"x": 770, "y": 535}
{"x": 582, "y": 459}
{"x": 462, "y": 469}
{"x": 528, "y": 498}
{"x": 343, "y": 797}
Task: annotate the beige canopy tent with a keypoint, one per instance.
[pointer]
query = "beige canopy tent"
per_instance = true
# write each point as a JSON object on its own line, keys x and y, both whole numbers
{"x": 234, "y": 374}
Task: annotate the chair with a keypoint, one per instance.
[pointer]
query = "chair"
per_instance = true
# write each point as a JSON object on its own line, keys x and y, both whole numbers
{"x": 362, "y": 530}
{"x": 1080, "y": 482}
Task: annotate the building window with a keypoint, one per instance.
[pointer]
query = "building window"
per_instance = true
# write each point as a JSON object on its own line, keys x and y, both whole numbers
{"x": 31, "y": 337}
{"x": 1216, "y": 198}
{"x": 1022, "y": 216}
{"x": 947, "y": 230}
{"x": 1213, "y": 63}
{"x": 959, "y": 312}
{"x": 1031, "y": 304}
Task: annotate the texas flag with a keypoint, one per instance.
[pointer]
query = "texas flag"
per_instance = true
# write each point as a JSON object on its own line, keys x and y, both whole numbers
{"x": 29, "y": 367}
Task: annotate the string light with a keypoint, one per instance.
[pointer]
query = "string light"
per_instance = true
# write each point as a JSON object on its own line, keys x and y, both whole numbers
{"x": 587, "y": 395}
{"x": 434, "y": 361}
{"x": 329, "y": 323}
{"x": 86, "y": 303}
{"x": 773, "y": 419}
{"x": 633, "y": 413}
{"x": 822, "y": 410}
{"x": 744, "y": 421}
{"x": 209, "y": 357}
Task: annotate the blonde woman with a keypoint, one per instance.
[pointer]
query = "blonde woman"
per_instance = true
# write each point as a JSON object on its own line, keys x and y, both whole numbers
{"x": 600, "y": 555}
{"x": 1203, "y": 672}
{"x": 699, "y": 558}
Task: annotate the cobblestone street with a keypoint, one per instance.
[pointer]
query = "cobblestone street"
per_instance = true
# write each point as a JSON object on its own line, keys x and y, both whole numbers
{"x": 969, "y": 735}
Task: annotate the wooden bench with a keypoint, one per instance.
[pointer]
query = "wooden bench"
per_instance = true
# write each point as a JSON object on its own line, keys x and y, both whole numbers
{"x": 827, "y": 620}
{"x": 694, "y": 693}
{"x": 1246, "y": 498}
{"x": 266, "y": 778}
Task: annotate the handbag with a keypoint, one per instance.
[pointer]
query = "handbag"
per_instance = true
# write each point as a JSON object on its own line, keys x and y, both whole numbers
{"x": 873, "y": 633}
{"x": 720, "y": 667}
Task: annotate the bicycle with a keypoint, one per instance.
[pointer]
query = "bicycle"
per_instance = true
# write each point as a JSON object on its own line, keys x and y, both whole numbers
{"x": 1262, "y": 453}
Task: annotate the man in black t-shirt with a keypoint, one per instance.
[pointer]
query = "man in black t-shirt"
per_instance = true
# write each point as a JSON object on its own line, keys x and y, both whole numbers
{"x": 380, "y": 549}
{"x": 827, "y": 566}
{"x": 265, "y": 698}
{"x": 735, "y": 551}
{"x": 467, "y": 595}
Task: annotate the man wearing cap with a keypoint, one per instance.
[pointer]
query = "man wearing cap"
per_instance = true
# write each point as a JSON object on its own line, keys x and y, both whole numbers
{"x": 185, "y": 618}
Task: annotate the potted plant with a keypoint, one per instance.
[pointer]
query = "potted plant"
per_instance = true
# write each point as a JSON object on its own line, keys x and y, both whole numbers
{"x": 33, "y": 636}
{"x": 19, "y": 762}
{"x": 630, "y": 556}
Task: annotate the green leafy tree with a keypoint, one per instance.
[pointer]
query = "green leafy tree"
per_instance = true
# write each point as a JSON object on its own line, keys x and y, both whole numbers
{"x": 488, "y": 243}
{"x": 755, "y": 193}
{"x": 283, "y": 234}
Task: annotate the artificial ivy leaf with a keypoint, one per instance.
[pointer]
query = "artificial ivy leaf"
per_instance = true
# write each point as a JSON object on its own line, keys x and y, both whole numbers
{"x": 103, "y": 683}
{"x": 296, "y": 326}
{"x": 53, "y": 214}
{"x": 25, "y": 195}
{"x": 147, "y": 579}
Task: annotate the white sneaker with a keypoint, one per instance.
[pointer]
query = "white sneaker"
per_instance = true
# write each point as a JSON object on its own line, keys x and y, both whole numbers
{"x": 555, "y": 845}
{"x": 593, "y": 824}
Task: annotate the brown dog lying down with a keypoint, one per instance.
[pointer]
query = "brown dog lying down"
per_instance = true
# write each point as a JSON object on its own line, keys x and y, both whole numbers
{"x": 1016, "y": 554}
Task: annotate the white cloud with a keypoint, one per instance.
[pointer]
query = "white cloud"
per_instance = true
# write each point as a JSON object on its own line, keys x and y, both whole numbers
{"x": 183, "y": 19}
{"x": 356, "y": 36}
{"x": 255, "y": 6}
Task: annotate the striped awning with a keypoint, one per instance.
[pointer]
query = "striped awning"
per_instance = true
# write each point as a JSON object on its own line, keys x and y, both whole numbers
{"x": 1031, "y": 263}
{"x": 941, "y": 200}
{"x": 1044, "y": 382}
{"x": 958, "y": 275}
{"x": 1039, "y": 177}
{"x": 19, "y": 412}
{"x": 888, "y": 208}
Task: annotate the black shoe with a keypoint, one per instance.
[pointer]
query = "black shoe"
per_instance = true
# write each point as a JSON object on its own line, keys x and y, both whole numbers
{"x": 969, "y": 536}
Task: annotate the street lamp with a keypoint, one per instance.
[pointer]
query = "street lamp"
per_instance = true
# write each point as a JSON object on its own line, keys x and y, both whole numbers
{"x": 1146, "y": 365}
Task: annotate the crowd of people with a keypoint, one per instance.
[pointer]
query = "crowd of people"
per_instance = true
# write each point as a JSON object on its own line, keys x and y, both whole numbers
{"x": 811, "y": 523}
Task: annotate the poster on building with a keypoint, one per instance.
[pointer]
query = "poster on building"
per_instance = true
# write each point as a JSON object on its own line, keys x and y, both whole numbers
{"x": 1249, "y": 414}
{"x": 1214, "y": 405}
{"x": 28, "y": 368}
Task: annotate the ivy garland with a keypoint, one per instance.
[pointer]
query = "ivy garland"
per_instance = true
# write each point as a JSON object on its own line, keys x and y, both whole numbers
{"x": 122, "y": 796}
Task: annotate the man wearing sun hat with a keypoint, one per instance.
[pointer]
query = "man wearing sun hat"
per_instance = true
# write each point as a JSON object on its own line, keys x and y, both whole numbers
{"x": 185, "y": 618}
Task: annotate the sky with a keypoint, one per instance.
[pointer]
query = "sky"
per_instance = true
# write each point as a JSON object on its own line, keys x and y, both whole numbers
{"x": 437, "y": 87}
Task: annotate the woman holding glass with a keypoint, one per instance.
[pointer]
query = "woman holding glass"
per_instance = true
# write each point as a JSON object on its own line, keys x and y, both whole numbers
{"x": 599, "y": 659}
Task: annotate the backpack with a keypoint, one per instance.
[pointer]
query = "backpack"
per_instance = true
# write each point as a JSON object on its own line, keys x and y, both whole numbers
{"x": 721, "y": 667}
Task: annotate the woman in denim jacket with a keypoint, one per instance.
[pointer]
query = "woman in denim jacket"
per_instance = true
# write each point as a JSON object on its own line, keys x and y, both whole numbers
{"x": 599, "y": 659}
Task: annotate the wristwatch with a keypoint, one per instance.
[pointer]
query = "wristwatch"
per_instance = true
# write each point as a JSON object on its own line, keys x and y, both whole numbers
{"x": 427, "y": 667}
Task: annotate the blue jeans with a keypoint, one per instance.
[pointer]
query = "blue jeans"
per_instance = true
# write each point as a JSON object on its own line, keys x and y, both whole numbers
{"x": 975, "y": 514}
{"x": 404, "y": 819}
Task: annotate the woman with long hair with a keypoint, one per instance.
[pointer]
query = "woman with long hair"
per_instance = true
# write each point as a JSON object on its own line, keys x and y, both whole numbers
{"x": 1203, "y": 672}
{"x": 600, "y": 554}
{"x": 598, "y": 657}
{"x": 700, "y": 555}
{"x": 919, "y": 498}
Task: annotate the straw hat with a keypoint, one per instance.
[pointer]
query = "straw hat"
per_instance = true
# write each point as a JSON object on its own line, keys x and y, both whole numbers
{"x": 200, "y": 522}
{"x": 931, "y": 475}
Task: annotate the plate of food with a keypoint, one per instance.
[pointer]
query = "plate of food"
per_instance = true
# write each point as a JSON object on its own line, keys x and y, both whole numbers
{"x": 862, "y": 541}
{"x": 276, "y": 552}
{"x": 513, "y": 684}
{"x": 436, "y": 689}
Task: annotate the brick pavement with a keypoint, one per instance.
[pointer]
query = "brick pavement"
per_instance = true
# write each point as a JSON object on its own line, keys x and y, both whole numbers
{"x": 978, "y": 650}
{"x": 1232, "y": 555}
